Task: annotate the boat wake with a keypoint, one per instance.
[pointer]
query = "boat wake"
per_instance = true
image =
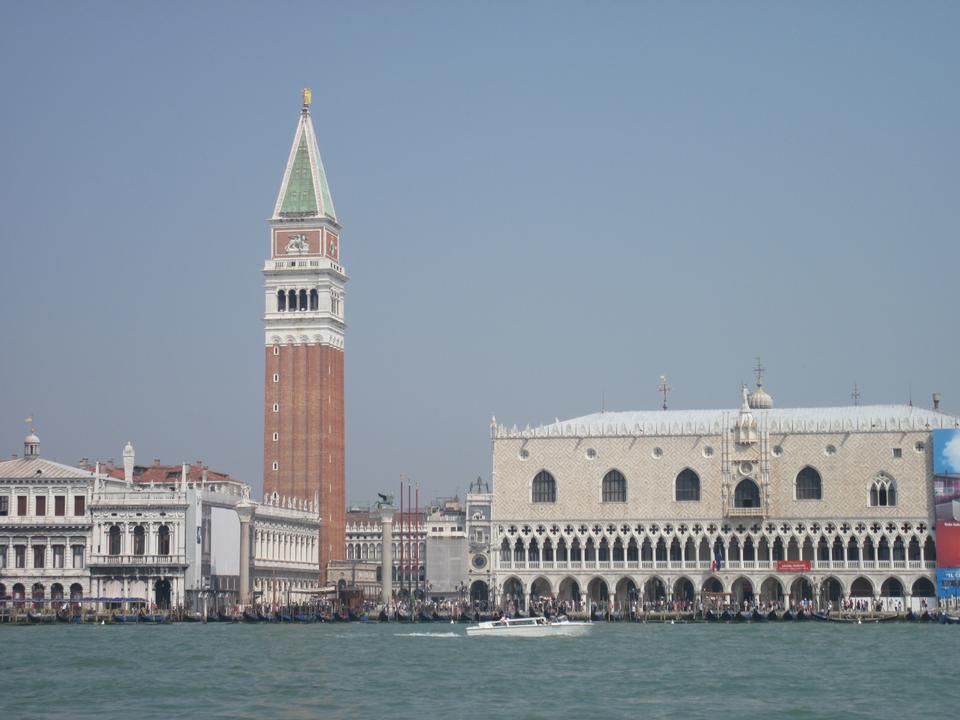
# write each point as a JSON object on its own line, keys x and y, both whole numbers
{"x": 428, "y": 634}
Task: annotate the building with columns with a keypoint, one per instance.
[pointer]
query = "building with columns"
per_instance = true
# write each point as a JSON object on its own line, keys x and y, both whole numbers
{"x": 303, "y": 426}
{"x": 44, "y": 527}
{"x": 158, "y": 535}
{"x": 745, "y": 504}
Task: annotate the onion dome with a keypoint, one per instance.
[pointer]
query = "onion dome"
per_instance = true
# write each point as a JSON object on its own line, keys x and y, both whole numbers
{"x": 759, "y": 399}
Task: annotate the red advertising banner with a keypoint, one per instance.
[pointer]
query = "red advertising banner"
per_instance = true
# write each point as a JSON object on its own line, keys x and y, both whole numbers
{"x": 948, "y": 544}
{"x": 793, "y": 566}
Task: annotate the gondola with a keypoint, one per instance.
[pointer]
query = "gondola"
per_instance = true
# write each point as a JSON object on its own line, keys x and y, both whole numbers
{"x": 225, "y": 618}
{"x": 251, "y": 616}
{"x": 383, "y": 617}
{"x": 191, "y": 617}
{"x": 304, "y": 618}
{"x": 64, "y": 616}
{"x": 711, "y": 616}
{"x": 126, "y": 618}
{"x": 284, "y": 616}
{"x": 266, "y": 617}
{"x": 156, "y": 618}
{"x": 353, "y": 616}
{"x": 946, "y": 619}
{"x": 726, "y": 616}
{"x": 41, "y": 618}
{"x": 423, "y": 617}
{"x": 772, "y": 616}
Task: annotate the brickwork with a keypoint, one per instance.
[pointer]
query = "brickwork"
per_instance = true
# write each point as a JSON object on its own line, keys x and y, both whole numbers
{"x": 309, "y": 451}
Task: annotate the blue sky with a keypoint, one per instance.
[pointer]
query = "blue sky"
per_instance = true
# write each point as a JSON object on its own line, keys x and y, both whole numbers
{"x": 543, "y": 204}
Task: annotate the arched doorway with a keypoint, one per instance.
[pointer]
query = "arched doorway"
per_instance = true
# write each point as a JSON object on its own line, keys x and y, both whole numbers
{"x": 861, "y": 588}
{"x": 161, "y": 594}
{"x": 19, "y": 593}
{"x": 801, "y": 590}
{"x": 655, "y": 591}
{"x": 741, "y": 592}
{"x": 831, "y": 591}
{"x": 37, "y": 593}
{"x": 540, "y": 589}
{"x": 56, "y": 596}
{"x": 626, "y": 594}
{"x": 76, "y": 593}
{"x": 479, "y": 592}
{"x": 597, "y": 593}
{"x": 569, "y": 591}
{"x": 684, "y": 590}
{"x": 923, "y": 588}
{"x": 513, "y": 594}
{"x": 771, "y": 592}
{"x": 892, "y": 588}
{"x": 712, "y": 585}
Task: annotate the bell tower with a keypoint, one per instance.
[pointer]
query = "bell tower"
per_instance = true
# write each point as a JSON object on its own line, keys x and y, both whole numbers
{"x": 303, "y": 428}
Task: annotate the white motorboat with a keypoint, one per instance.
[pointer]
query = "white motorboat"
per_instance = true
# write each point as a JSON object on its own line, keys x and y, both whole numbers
{"x": 529, "y": 627}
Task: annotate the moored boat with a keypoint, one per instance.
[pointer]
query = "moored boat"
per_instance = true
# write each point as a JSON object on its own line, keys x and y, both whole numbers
{"x": 529, "y": 627}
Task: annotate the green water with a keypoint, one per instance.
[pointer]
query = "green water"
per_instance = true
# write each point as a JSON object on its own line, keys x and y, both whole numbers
{"x": 790, "y": 670}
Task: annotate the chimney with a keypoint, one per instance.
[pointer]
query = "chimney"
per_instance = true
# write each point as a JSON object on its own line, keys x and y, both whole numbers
{"x": 936, "y": 401}
{"x": 156, "y": 462}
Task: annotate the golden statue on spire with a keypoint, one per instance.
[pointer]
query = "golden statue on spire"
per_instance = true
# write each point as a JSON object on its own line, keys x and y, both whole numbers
{"x": 307, "y": 95}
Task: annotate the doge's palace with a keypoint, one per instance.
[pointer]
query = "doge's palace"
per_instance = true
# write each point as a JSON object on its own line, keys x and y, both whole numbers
{"x": 744, "y": 504}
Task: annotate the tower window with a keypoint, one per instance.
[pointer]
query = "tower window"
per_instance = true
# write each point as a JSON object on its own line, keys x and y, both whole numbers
{"x": 276, "y": 437}
{"x": 303, "y": 299}
{"x": 276, "y": 350}
{"x": 276, "y": 377}
{"x": 276, "y": 465}
{"x": 314, "y": 300}
{"x": 281, "y": 301}
{"x": 276, "y": 407}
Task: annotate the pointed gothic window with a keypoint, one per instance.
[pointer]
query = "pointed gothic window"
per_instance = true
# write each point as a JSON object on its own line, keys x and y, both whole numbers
{"x": 614, "y": 487}
{"x": 747, "y": 494}
{"x": 883, "y": 491}
{"x": 809, "y": 485}
{"x": 687, "y": 486}
{"x": 544, "y": 488}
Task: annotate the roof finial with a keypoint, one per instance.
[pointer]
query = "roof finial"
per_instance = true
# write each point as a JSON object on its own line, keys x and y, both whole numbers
{"x": 664, "y": 390}
{"x": 855, "y": 395}
{"x": 759, "y": 370}
{"x": 307, "y": 97}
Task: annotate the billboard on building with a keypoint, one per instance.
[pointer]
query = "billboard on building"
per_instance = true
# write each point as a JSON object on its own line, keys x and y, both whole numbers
{"x": 948, "y": 558}
{"x": 946, "y": 474}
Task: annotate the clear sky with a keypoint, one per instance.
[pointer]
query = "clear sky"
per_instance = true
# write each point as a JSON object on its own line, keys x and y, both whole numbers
{"x": 543, "y": 205}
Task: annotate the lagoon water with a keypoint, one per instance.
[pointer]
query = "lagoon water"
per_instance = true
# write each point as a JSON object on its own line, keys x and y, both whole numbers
{"x": 368, "y": 670}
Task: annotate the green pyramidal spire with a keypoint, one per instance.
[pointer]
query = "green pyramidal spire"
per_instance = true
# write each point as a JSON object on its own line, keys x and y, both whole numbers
{"x": 304, "y": 192}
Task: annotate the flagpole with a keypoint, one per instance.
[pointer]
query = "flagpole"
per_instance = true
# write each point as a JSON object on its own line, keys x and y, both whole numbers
{"x": 409, "y": 554}
{"x": 401, "y": 535}
{"x": 417, "y": 535}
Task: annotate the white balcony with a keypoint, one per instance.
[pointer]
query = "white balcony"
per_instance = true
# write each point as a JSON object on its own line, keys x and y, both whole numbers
{"x": 135, "y": 560}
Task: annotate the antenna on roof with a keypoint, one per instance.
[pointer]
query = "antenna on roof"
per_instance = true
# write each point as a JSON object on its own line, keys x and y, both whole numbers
{"x": 910, "y": 394}
{"x": 603, "y": 403}
{"x": 664, "y": 390}
{"x": 855, "y": 395}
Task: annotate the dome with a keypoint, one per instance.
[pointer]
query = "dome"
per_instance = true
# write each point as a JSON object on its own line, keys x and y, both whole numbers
{"x": 31, "y": 439}
{"x": 759, "y": 399}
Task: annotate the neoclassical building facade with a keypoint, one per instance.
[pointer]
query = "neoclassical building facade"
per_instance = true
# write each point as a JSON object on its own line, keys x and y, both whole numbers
{"x": 778, "y": 505}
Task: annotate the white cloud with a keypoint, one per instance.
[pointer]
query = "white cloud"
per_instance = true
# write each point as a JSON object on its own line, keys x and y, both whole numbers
{"x": 951, "y": 454}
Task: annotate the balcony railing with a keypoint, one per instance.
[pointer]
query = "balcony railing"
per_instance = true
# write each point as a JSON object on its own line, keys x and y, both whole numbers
{"x": 152, "y": 560}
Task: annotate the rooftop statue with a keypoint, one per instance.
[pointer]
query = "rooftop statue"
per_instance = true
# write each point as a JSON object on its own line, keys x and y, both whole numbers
{"x": 385, "y": 500}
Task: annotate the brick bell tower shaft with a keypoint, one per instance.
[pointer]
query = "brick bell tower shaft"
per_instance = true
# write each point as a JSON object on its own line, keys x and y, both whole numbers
{"x": 303, "y": 415}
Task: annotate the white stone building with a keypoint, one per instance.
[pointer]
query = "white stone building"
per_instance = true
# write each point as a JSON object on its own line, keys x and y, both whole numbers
{"x": 44, "y": 528}
{"x": 160, "y": 536}
{"x": 805, "y": 503}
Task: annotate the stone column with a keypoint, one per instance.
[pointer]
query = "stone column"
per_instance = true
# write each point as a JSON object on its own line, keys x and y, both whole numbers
{"x": 245, "y": 512}
{"x": 386, "y": 556}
